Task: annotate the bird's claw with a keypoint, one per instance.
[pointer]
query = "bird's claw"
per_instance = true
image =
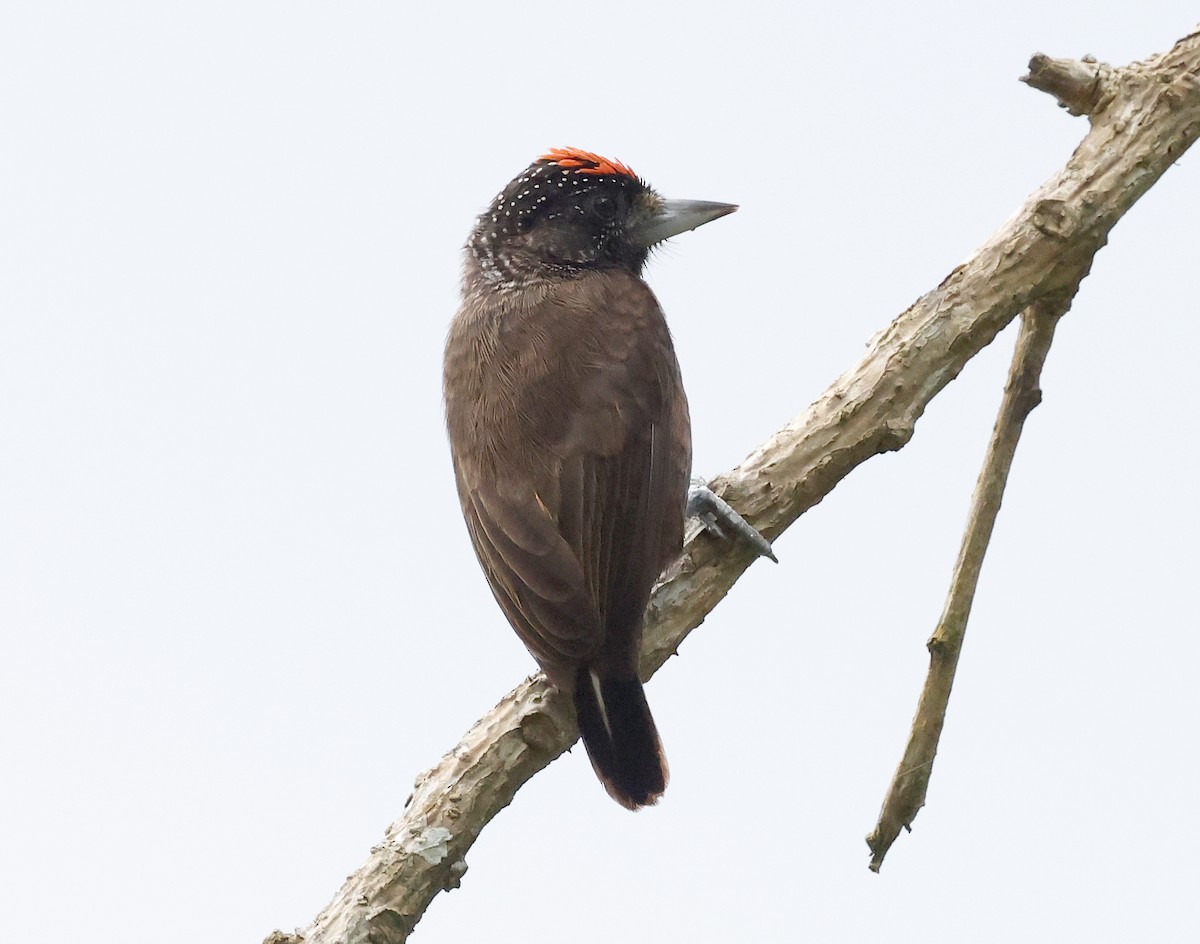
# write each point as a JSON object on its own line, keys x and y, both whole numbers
{"x": 713, "y": 511}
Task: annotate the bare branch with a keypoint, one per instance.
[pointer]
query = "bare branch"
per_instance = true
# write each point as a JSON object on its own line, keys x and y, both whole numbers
{"x": 1150, "y": 119}
{"x": 1079, "y": 85}
{"x": 906, "y": 795}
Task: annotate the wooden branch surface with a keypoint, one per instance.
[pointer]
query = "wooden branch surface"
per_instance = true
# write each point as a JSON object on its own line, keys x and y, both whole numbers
{"x": 1022, "y": 393}
{"x": 1149, "y": 117}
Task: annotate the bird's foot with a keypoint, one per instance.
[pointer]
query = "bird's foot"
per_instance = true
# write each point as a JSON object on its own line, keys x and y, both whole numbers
{"x": 714, "y": 512}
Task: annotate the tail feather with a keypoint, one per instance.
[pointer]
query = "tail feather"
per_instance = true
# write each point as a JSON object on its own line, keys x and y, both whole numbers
{"x": 621, "y": 739}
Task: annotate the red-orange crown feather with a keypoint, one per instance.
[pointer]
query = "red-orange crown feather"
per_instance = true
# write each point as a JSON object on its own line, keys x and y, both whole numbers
{"x": 585, "y": 162}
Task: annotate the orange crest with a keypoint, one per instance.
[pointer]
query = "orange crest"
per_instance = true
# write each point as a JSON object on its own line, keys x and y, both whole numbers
{"x": 585, "y": 162}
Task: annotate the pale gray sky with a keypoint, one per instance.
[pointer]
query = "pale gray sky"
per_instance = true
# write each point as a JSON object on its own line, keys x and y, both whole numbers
{"x": 239, "y": 610}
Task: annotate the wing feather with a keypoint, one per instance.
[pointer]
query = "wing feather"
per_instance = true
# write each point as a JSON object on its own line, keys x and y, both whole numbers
{"x": 576, "y": 463}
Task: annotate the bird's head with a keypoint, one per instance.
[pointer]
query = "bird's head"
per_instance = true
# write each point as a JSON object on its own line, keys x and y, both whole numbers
{"x": 571, "y": 211}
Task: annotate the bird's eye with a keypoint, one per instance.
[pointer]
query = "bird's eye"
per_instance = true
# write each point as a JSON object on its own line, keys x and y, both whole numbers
{"x": 604, "y": 207}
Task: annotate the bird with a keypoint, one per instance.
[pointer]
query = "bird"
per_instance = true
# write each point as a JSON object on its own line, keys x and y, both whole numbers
{"x": 570, "y": 435}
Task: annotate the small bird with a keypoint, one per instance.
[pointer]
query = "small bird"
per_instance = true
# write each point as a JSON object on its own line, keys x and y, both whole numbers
{"x": 570, "y": 435}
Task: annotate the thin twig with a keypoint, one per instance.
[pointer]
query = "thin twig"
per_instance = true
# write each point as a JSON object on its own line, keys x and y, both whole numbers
{"x": 1022, "y": 393}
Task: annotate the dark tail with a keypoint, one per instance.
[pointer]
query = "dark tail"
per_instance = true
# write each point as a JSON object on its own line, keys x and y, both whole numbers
{"x": 620, "y": 737}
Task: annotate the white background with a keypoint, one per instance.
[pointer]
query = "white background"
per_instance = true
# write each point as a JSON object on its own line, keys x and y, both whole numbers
{"x": 239, "y": 611}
